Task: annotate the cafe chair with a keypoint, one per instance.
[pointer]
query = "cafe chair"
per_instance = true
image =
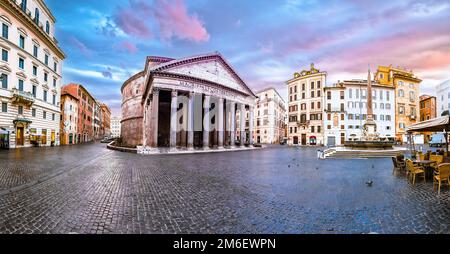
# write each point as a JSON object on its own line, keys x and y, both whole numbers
{"x": 399, "y": 165}
{"x": 414, "y": 170}
{"x": 442, "y": 175}
{"x": 437, "y": 159}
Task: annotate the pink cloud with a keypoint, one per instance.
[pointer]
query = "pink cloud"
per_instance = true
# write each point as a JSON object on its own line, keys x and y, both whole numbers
{"x": 172, "y": 17}
{"x": 128, "y": 46}
{"x": 81, "y": 46}
{"x": 420, "y": 49}
{"x": 128, "y": 21}
{"x": 174, "y": 20}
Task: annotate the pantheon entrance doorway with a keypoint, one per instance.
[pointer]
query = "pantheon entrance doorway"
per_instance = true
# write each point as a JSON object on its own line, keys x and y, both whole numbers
{"x": 165, "y": 99}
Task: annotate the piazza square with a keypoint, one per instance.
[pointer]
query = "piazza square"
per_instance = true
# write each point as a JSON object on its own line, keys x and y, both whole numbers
{"x": 224, "y": 119}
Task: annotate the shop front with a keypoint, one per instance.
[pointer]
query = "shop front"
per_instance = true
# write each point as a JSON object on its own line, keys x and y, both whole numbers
{"x": 313, "y": 140}
{"x": 4, "y": 138}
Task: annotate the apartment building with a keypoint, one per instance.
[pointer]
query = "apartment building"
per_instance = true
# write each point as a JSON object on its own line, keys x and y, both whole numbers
{"x": 270, "y": 112}
{"x": 305, "y": 107}
{"x": 30, "y": 75}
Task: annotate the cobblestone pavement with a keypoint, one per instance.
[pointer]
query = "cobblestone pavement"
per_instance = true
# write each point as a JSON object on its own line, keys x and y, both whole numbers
{"x": 89, "y": 189}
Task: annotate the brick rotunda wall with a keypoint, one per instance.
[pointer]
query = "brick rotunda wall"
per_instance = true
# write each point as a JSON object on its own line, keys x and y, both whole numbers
{"x": 132, "y": 111}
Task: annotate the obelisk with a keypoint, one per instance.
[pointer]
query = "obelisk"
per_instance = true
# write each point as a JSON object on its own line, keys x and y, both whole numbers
{"x": 369, "y": 97}
{"x": 370, "y": 127}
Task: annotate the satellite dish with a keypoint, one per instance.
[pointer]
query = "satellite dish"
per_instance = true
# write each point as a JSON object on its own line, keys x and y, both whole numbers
{"x": 66, "y": 123}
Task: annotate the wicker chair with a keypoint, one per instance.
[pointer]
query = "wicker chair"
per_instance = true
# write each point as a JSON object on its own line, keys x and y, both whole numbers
{"x": 442, "y": 175}
{"x": 414, "y": 170}
{"x": 398, "y": 165}
{"x": 438, "y": 159}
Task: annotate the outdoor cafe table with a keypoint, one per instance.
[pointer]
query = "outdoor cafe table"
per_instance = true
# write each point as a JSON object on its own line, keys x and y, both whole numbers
{"x": 426, "y": 166}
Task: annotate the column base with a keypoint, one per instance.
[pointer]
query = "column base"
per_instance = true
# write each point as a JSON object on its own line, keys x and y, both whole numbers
{"x": 206, "y": 148}
{"x": 173, "y": 149}
{"x": 190, "y": 148}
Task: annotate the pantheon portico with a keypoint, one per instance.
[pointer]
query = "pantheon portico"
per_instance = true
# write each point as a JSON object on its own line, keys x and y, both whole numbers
{"x": 193, "y": 103}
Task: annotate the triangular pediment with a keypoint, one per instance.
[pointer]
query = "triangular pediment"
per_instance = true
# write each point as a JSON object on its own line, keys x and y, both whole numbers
{"x": 212, "y": 68}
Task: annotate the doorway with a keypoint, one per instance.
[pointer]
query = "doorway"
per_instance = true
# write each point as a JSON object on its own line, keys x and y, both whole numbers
{"x": 165, "y": 99}
{"x": 295, "y": 140}
{"x": 44, "y": 137}
{"x": 331, "y": 141}
{"x": 20, "y": 136}
{"x": 303, "y": 139}
{"x": 313, "y": 140}
{"x": 53, "y": 138}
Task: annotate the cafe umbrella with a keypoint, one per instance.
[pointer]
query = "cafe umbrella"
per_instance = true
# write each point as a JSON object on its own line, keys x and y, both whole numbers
{"x": 439, "y": 124}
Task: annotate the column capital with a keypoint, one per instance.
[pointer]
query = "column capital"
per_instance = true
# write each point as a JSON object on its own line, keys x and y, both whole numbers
{"x": 174, "y": 93}
{"x": 156, "y": 90}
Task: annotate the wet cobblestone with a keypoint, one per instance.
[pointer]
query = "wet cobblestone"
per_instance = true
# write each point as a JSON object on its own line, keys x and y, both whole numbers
{"x": 89, "y": 189}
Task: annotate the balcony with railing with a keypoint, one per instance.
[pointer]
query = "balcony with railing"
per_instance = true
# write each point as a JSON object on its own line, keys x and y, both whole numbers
{"x": 303, "y": 123}
{"x": 22, "y": 97}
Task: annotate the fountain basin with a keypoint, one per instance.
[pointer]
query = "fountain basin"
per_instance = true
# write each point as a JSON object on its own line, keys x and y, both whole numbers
{"x": 375, "y": 144}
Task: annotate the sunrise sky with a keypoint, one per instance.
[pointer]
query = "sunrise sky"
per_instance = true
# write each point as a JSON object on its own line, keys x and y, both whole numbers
{"x": 265, "y": 41}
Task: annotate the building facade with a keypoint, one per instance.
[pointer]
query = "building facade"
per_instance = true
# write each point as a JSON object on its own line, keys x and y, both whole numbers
{"x": 305, "y": 95}
{"x": 69, "y": 119}
{"x": 383, "y": 105}
{"x": 346, "y": 111}
{"x": 86, "y": 104}
{"x": 335, "y": 115}
{"x": 97, "y": 123}
{"x": 443, "y": 97}
{"x": 427, "y": 112}
{"x": 30, "y": 71}
{"x": 115, "y": 126}
{"x": 270, "y": 114}
{"x": 406, "y": 99}
{"x": 185, "y": 104}
{"x": 105, "y": 128}
{"x": 427, "y": 107}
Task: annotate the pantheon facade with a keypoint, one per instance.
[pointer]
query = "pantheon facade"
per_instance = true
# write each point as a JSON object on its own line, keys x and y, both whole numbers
{"x": 197, "y": 102}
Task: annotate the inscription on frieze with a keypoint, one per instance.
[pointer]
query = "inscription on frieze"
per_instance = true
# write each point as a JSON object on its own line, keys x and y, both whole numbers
{"x": 208, "y": 89}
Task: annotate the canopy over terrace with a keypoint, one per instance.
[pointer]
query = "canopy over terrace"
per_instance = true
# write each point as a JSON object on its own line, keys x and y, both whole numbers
{"x": 439, "y": 124}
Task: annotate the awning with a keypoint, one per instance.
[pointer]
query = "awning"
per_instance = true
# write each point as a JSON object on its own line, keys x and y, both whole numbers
{"x": 37, "y": 135}
{"x": 3, "y": 132}
{"x": 313, "y": 137}
{"x": 433, "y": 125}
{"x": 22, "y": 120}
